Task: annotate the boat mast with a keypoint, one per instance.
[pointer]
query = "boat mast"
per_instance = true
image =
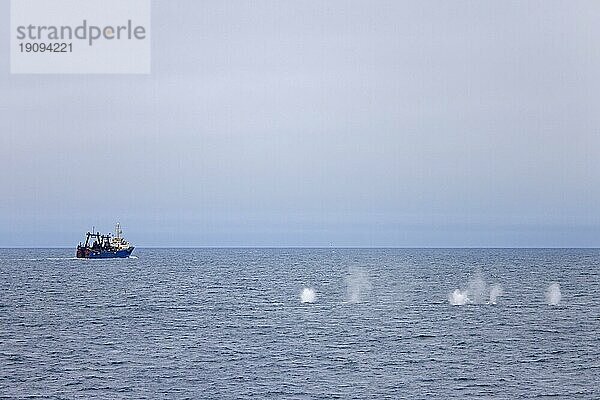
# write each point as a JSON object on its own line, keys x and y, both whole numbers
{"x": 118, "y": 231}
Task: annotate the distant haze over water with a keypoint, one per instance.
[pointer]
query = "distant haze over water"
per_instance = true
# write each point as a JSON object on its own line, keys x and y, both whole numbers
{"x": 283, "y": 123}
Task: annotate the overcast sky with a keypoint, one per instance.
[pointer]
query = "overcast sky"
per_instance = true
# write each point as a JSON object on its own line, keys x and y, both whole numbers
{"x": 313, "y": 123}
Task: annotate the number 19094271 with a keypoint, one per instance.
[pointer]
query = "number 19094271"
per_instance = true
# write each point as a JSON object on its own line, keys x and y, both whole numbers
{"x": 46, "y": 47}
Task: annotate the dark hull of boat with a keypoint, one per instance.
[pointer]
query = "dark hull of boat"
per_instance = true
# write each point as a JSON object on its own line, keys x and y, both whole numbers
{"x": 83, "y": 252}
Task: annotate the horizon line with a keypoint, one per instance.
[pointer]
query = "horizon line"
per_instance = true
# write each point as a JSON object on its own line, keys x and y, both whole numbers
{"x": 323, "y": 247}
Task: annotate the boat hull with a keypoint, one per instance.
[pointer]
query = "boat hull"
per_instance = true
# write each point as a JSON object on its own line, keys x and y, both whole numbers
{"x": 88, "y": 253}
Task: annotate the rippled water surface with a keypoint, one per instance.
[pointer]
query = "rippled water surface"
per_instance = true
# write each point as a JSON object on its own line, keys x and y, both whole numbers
{"x": 238, "y": 323}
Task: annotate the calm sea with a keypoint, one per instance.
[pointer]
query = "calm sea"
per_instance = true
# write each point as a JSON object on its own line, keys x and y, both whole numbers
{"x": 232, "y": 324}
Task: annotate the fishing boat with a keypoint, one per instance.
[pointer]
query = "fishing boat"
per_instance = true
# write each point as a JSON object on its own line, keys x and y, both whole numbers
{"x": 105, "y": 246}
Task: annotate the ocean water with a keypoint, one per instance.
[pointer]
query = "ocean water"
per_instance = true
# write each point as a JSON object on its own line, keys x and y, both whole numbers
{"x": 301, "y": 324}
